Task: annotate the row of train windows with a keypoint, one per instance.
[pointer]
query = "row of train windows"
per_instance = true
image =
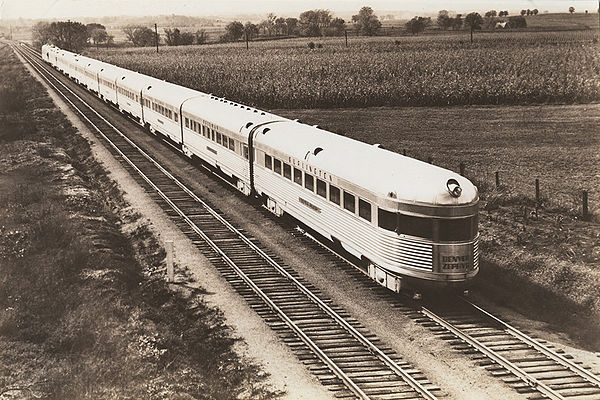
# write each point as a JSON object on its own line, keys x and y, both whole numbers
{"x": 213, "y": 135}
{"x": 348, "y": 200}
{"x": 437, "y": 229}
{"x": 107, "y": 83}
{"x": 128, "y": 93}
{"x": 162, "y": 110}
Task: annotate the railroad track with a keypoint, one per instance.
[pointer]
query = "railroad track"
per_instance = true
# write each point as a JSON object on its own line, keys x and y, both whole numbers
{"x": 526, "y": 364}
{"x": 520, "y": 361}
{"x": 337, "y": 349}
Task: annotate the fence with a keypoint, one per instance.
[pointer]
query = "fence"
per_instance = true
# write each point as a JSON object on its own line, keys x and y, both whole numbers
{"x": 579, "y": 200}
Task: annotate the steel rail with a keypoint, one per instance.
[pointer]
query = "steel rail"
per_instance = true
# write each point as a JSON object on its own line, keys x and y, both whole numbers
{"x": 420, "y": 389}
{"x": 577, "y": 369}
{"x": 335, "y": 369}
{"x": 476, "y": 344}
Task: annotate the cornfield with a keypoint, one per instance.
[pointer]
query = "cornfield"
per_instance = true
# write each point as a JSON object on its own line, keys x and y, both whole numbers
{"x": 499, "y": 68}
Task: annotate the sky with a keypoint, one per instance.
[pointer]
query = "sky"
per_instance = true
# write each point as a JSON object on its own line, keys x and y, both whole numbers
{"x": 12, "y": 9}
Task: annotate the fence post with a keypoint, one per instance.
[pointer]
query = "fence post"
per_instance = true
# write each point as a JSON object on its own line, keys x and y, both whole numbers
{"x": 462, "y": 168}
{"x": 586, "y": 215}
{"x": 170, "y": 269}
{"x": 497, "y": 178}
{"x": 537, "y": 192}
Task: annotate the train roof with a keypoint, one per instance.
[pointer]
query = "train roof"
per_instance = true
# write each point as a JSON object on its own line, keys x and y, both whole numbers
{"x": 227, "y": 114}
{"x": 382, "y": 172}
{"x": 135, "y": 81}
{"x": 170, "y": 93}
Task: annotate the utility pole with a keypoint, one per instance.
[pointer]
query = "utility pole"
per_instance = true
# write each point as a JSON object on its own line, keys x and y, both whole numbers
{"x": 156, "y": 37}
{"x": 247, "y": 38}
{"x": 346, "y": 35}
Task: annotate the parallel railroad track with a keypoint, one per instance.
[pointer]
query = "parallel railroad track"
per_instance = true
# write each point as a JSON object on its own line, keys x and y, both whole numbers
{"x": 337, "y": 349}
{"x": 526, "y": 364}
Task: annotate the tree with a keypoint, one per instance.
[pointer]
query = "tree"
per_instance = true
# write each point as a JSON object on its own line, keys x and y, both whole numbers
{"x": 40, "y": 34}
{"x": 337, "y": 27}
{"x": 535, "y": 11}
{"x": 473, "y": 21}
{"x": 571, "y": 9}
{"x": 491, "y": 13}
{"x": 250, "y": 30}
{"x": 444, "y": 20}
{"x": 417, "y": 25}
{"x": 186, "y": 38}
{"x": 313, "y": 22}
{"x": 234, "y": 31}
{"x": 366, "y": 21}
{"x": 98, "y": 36}
{"x": 69, "y": 35}
{"x": 173, "y": 36}
{"x": 457, "y": 22}
{"x": 503, "y": 14}
{"x": 280, "y": 28}
{"x": 140, "y": 35}
{"x": 523, "y": 12}
{"x": 291, "y": 26}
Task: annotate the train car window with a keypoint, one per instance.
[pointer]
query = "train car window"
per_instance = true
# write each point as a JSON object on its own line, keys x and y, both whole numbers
{"x": 246, "y": 154}
{"x": 193, "y": 125}
{"x": 415, "y": 226}
{"x": 212, "y": 134}
{"x": 277, "y": 166}
{"x": 298, "y": 176}
{"x": 218, "y": 138}
{"x": 268, "y": 161}
{"x": 457, "y": 229}
{"x": 321, "y": 188}
{"x": 176, "y": 117}
{"x": 349, "y": 202}
{"x": 387, "y": 220}
{"x": 364, "y": 209}
{"x": 231, "y": 144}
{"x": 187, "y": 122}
{"x": 309, "y": 182}
{"x": 287, "y": 171}
{"x": 334, "y": 194}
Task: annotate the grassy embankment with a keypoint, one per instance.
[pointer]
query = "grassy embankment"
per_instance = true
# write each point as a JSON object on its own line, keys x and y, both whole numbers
{"x": 81, "y": 317}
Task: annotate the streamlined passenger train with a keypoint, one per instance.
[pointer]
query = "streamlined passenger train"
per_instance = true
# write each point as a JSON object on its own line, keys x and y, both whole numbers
{"x": 411, "y": 223}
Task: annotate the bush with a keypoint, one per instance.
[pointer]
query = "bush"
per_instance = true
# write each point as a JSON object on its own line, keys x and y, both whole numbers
{"x": 311, "y": 45}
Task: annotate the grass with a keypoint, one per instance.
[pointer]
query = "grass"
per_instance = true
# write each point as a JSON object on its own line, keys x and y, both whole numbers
{"x": 499, "y": 68}
{"x": 81, "y": 316}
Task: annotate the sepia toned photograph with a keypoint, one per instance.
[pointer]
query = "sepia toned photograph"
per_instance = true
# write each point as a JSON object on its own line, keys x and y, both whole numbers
{"x": 299, "y": 200}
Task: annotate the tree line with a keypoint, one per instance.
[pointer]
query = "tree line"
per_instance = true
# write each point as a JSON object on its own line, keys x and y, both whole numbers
{"x": 70, "y": 35}
{"x": 311, "y": 23}
{"x": 472, "y": 21}
{"x": 74, "y": 36}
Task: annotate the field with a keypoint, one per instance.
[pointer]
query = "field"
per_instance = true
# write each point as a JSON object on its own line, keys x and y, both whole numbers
{"x": 440, "y": 70}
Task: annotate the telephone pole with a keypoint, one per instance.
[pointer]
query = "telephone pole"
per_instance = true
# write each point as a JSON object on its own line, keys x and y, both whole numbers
{"x": 156, "y": 37}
